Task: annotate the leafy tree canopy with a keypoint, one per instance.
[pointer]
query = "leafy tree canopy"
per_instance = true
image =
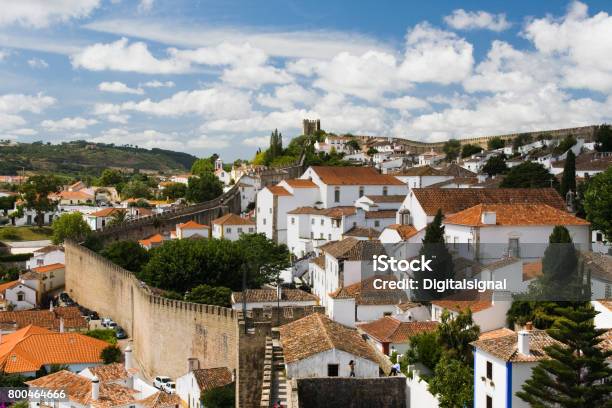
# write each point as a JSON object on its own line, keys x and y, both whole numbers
{"x": 175, "y": 191}
{"x": 107, "y": 335}
{"x": 603, "y": 138}
{"x": 529, "y": 175}
{"x": 495, "y": 165}
{"x": 210, "y": 295}
{"x": 205, "y": 187}
{"x": 495, "y": 143}
{"x": 127, "y": 254}
{"x": 110, "y": 177}
{"x": 135, "y": 189}
{"x": 568, "y": 181}
{"x": 35, "y": 193}
{"x": 221, "y": 397}
{"x": 453, "y": 383}
{"x": 470, "y": 149}
{"x": 111, "y": 354}
{"x": 452, "y": 148}
{"x": 69, "y": 225}
{"x": 598, "y": 202}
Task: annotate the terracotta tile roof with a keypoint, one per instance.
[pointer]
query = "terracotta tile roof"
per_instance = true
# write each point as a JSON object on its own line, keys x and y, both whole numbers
{"x": 49, "y": 268}
{"x": 457, "y": 171}
{"x": 532, "y": 270}
{"x": 45, "y": 318}
{"x": 380, "y": 214}
{"x": 405, "y": 231}
{"x": 233, "y": 219}
{"x": 364, "y": 292}
{"x": 452, "y": 200}
{"x": 107, "y": 212}
{"x": 270, "y": 295}
{"x": 606, "y": 343}
{"x": 514, "y": 214}
{"x": 191, "y": 225}
{"x": 600, "y": 265}
{"x": 301, "y": 183}
{"x": 353, "y": 249}
{"x": 109, "y": 372}
{"x": 209, "y": 378}
{"x": 396, "y": 198}
{"x": 391, "y": 330}
{"x": 358, "y": 231}
{"x": 419, "y": 171}
{"x": 333, "y": 212}
{"x": 344, "y": 176}
{"x": 279, "y": 191}
{"x": 74, "y": 195}
{"x": 161, "y": 400}
{"x": 49, "y": 248}
{"x": 7, "y": 285}
{"x": 505, "y": 347}
{"x": 493, "y": 334}
{"x": 319, "y": 261}
{"x": 317, "y": 333}
{"x": 27, "y": 352}
{"x": 473, "y": 300}
{"x": 404, "y": 306}
{"x": 593, "y": 161}
{"x": 153, "y": 239}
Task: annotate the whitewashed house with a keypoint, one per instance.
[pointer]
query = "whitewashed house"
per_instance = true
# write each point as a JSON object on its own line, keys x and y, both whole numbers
{"x": 430, "y": 158}
{"x": 421, "y": 176}
{"x": 390, "y": 335}
{"x": 231, "y": 226}
{"x": 191, "y": 229}
{"x": 102, "y": 218}
{"x": 488, "y": 308}
{"x": 192, "y": 386}
{"x": 48, "y": 255}
{"x": 316, "y": 346}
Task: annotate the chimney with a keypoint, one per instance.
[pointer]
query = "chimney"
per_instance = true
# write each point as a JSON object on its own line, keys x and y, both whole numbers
{"x": 523, "y": 339}
{"x": 61, "y": 328}
{"x": 279, "y": 291}
{"x": 128, "y": 362}
{"x": 488, "y": 218}
{"x": 193, "y": 363}
{"x": 51, "y": 306}
{"x": 95, "y": 388}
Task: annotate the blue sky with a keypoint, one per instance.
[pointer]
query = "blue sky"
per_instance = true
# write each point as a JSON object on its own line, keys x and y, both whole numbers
{"x": 218, "y": 76}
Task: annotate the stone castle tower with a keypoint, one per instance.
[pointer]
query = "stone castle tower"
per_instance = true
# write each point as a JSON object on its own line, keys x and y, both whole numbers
{"x": 310, "y": 126}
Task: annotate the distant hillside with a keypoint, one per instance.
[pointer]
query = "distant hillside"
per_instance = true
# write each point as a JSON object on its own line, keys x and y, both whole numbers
{"x": 84, "y": 158}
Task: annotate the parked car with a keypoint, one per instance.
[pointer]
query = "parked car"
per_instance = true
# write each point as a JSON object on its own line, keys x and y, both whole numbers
{"x": 169, "y": 387}
{"x": 108, "y": 323}
{"x": 160, "y": 380}
{"x": 120, "y": 333}
{"x": 93, "y": 315}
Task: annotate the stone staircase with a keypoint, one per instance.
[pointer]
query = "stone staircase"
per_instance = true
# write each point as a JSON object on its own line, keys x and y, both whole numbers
{"x": 278, "y": 390}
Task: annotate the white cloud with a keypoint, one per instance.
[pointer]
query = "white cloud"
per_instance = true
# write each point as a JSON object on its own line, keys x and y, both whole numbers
{"x": 119, "y": 87}
{"x": 286, "y": 97}
{"x": 122, "y": 56}
{"x": 407, "y": 103}
{"x": 42, "y": 13}
{"x": 158, "y": 84}
{"x": 469, "y": 20}
{"x": 209, "y": 142}
{"x": 24, "y": 132}
{"x": 145, "y": 6}
{"x": 37, "y": 63}
{"x": 256, "y": 141}
{"x": 15, "y": 103}
{"x": 434, "y": 55}
{"x": 581, "y": 43}
{"x": 150, "y": 138}
{"x": 75, "y": 123}
{"x": 3, "y": 55}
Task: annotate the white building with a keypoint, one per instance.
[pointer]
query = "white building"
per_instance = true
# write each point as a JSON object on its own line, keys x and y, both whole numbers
{"x": 231, "y": 226}
{"x": 17, "y": 295}
{"x": 390, "y": 335}
{"x": 421, "y": 176}
{"x": 603, "y": 320}
{"x": 430, "y": 158}
{"x": 315, "y": 346}
{"x": 191, "y": 386}
{"x": 494, "y": 231}
{"x": 395, "y": 233}
{"x": 337, "y": 143}
{"x": 191, "y": 229}
{"x": 48, "y": 255}
{"x": 261, "y": 298}
{"x": 102, "y": 218}
{"x": 502, "y": 364}
{"x": 488, "y": 308}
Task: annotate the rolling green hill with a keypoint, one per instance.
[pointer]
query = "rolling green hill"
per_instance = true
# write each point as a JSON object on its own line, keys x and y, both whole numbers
{"x": 84, "y": 158}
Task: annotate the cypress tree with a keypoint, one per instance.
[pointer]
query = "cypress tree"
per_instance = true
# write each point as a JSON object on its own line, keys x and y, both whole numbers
{"x": 568, "y": 182}
{"x": 577, "y": 374}
{"x": 434, "y": 249}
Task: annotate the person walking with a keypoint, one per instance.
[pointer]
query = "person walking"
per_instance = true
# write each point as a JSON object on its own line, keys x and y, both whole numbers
{"x": 352, "y": 368}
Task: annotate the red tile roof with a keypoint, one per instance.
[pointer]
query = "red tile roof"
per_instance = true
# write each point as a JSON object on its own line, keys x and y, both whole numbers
{"x": 505, "y": 347}
{"x": 514, "y": 214}
{"x": 153, "y": 239}
{"x": 209, "y": 378}
{"x": 45, "y": 318}
{"x": 107, "y": 212}
{"x": 192, "y": 225}
{"x": 354, "y": 176}
{"x": 380, "y": 214}
{"x": 364, "y": 292}
{"x": 301, "y": 183}
{"x": 390, "y": 330}
{"x": 49, "y": 268}
{"x": 233, "y": 219}
{"x": 405, "y": 231}
{"x": 473, "y": 300}
{"x": 278, "y": 191}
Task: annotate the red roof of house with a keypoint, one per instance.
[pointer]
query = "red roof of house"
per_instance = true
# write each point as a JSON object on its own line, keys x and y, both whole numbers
{"x": 49, "y": 268}
{"x": 515, "y": 214}
{"x": 354, "y": 176}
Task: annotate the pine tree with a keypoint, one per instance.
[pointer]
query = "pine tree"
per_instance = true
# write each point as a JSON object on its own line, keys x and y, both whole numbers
{"x": 568, "y": 182}
{"x": 560, "y": 278}
{"x": 577, "y": 374}
{"x": 434, "y": 249}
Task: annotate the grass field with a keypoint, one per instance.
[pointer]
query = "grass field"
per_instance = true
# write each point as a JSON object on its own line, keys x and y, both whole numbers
{"x": 28, "y": 233}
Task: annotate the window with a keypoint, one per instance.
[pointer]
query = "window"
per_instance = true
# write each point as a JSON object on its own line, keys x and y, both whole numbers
{"x": 469, "y": 244}
{"x": 329, "y": 237}
{"x": 387, "y": 314}
{"x": 264, "y": 221}
{"x": 40, "y": 262}
{"x": 258, "y": 208}
{"x": 312, "y": 221}
{"x": 608, "y": 291}
{"x": 103, "y": 222}
{"x": 292, "y": 220}
{"x": 455, "y": 241}
{"x": 228, "y": 230}
{"x": 270, "y": 210}
{"x": 20, "y": 296}
{"x": 489, "y": 370}
{"x": 377, "y": 223}
{"x": 385, "y": 191}
{"x": 489, "y": 402}
{"x": 250, "y": 229}
{"x": 513, "y": 247}
{"x": 337, "y": 194}
{"x": 321, "y": 236}
{"x": 322, "y": 221}
{"x": 240, "y": 230}
{"x": 332, "y": 370}
{"x": 311, "y": 235}
{"x": 599, "y": 237}
{"x": 361, "y": 191}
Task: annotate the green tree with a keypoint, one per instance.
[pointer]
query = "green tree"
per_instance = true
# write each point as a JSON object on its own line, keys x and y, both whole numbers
{"x": 110, "y": 177}
{"x": 276, "y": 146}
{"x": 451, "y": 148}
{"x": 603, "y": 138}
{"x": 521, "y": 140}
{"x": 424, "y": 348}
{"x": 495, "y": 165}
{"x": 205, "y": 187}
{"x": 598, "y": 202}
{"x": 136, "y": 189}
{"x": 495, "y": 143}
{"x": 118, "y": 217}
{"x": 577, "y": 373}
{"x": 566, "y": 144}
{"x": 127, "y": 254}
{"x": 69, "y": 225}
{"x": 455, "y": 333}
{"x": 203, "y": 165}
{"x": 453, "y": 383}
{"x": 111, "y": 354}
{"x": 7, "y": 203}
{"x": 372, "y": 151}
{"x": 559, "y": 277}
{"x": 434, "y": 249}
{"x": 175, "y": 191}
{"x": 210, "y": 295}
{"x": 220, "y": 397}
{"x": 35, "y": 193}
{"x": 470, "y": 149}
{"x": 107, "y": 335}
{"x": 568, "y": 181}
{"x": 12, "y": 380}
{"x": 528, "y": 175}
{"x": 353, "y": 145}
